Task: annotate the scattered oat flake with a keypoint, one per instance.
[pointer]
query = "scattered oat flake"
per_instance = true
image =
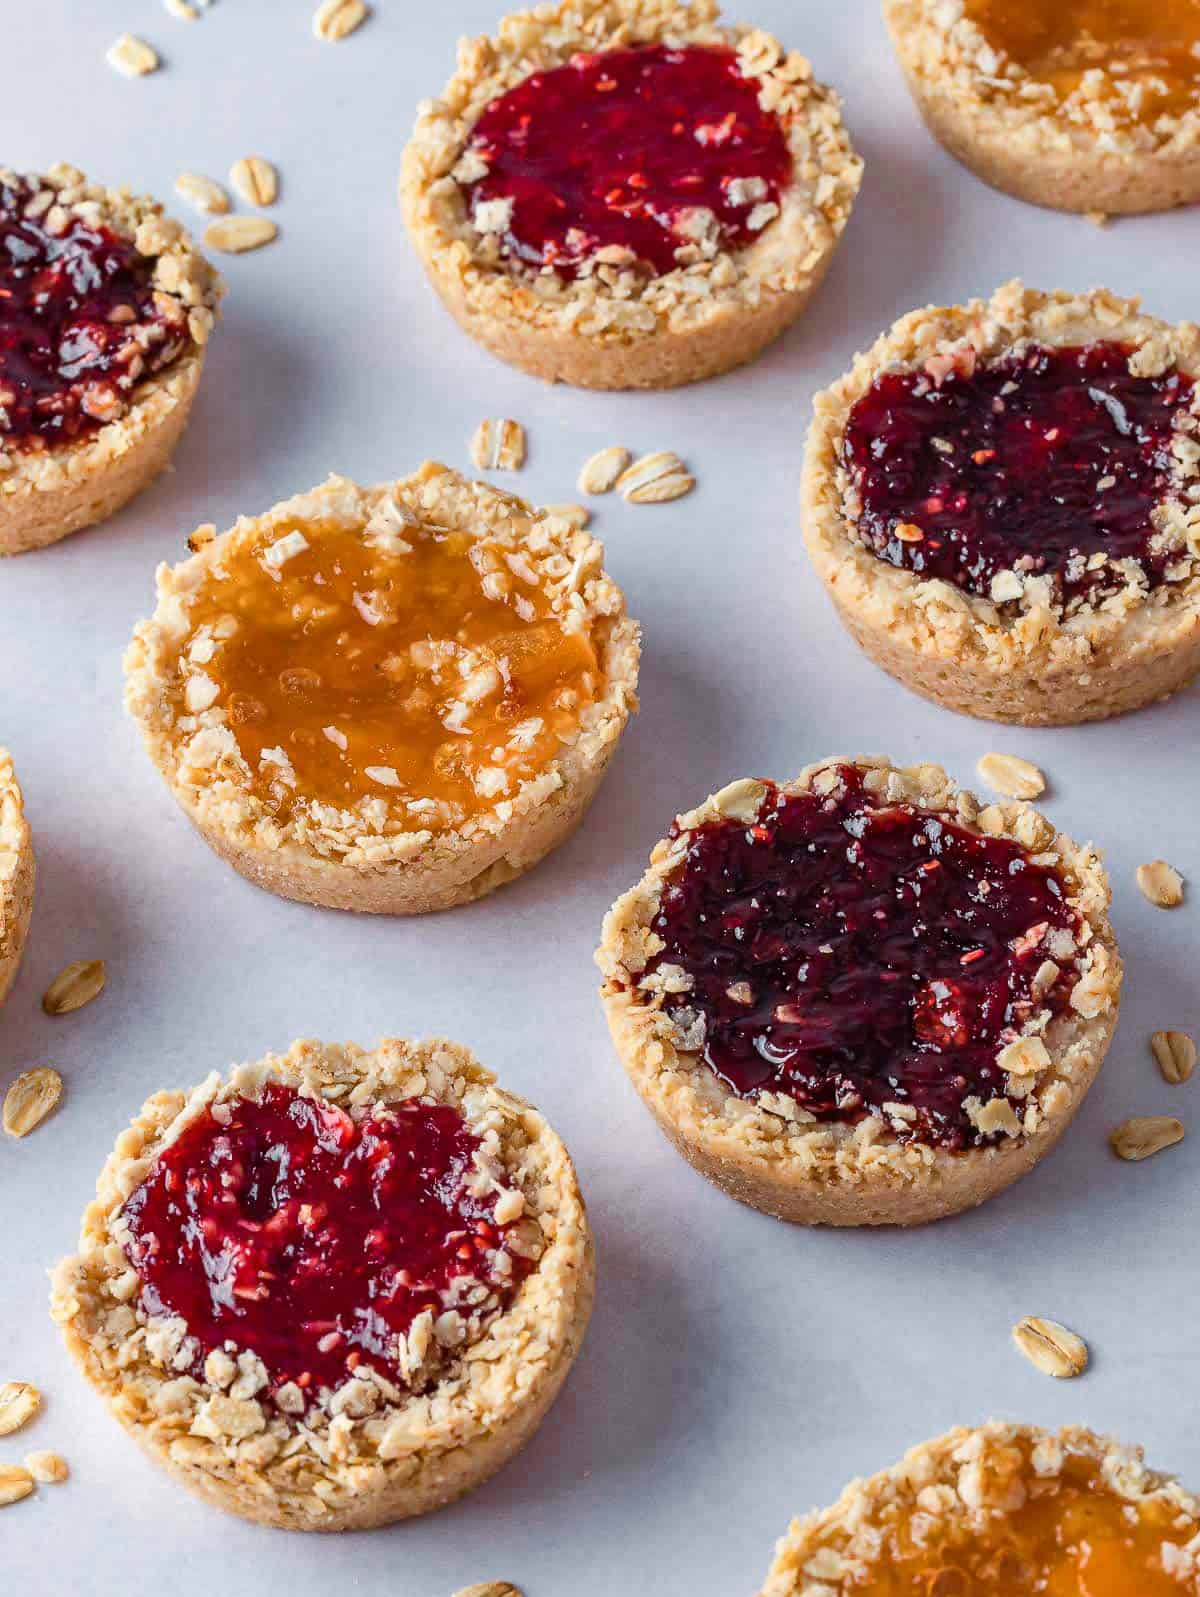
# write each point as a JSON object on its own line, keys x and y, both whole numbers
{"x": 48, "y": 1469}
{"x": 334, "y": 19}
{"x": 1176, "y": 1055}
{"x": 1144, "y": 1135}
{"x": 19, "y": 1402}
{"x": 75, "y": 985}
{"x": 202, "y": 193}
{"x": 1050, "y": 1347}
{"x": 15, "y": 1483}
{"x": 234, "y": 235}
{"x": 33, "y": 1096}
{"x": 655, "y": 479}
{"x": 1012, "y": 776}
{"x": 1161, "y": 884}
{"x": 491, "y": 1588}
{"x": 599, "y": 473}
{"x": 132, "y": 57}
{"x": 183, "y": 9}
{"x": 255, "y": 180}
{"x": 577, "y": 515}
{"x": 498, "y": 445}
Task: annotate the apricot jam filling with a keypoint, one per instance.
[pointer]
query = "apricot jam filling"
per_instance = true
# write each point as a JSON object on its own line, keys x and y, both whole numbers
{"x": 627, "y": 156}
{"x": 430, "y": 670}
{"x": 856, "y": 955}
{"x": 1147, "y": 49}
{"x": 321, "y": 1241}
{"x": 80, "y": 322}
{"x": 1048, "y": 462}
{"x": 1072, "y": 1537}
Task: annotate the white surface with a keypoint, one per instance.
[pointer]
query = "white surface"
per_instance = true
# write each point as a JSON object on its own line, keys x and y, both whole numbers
{"x": 737, "y": 1371}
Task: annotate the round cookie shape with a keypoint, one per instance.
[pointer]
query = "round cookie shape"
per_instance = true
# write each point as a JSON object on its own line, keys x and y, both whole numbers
{"x": 626, "y": 193}
{"x": 16, "y": 874}
{"x": 862, "y": 998}
{"x": 106, "y": 308}
{"x": 391, "y": 699}
{"x": 996, "y": 1510}
{"x": 1002, "y": 500}
{"x": 337, "y": 1288}
{"x": 1087, "y": 106}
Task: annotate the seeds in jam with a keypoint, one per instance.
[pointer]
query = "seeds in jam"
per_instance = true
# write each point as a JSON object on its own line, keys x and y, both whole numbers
{"x": 1049, "y": 462}
{"x": 316, "y": 1240}
{"x": 852, "y": 954}
{"x": 1146, "y": 49}
{"x": 1072, "y": 1537}
{"x": 80, "y": 323}
{"x": 638, "y": 153}
{"x": 433, "y": 673}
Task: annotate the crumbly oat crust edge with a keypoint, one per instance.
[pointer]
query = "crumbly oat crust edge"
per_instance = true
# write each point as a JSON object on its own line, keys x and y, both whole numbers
{"x": 936, "y": 617}
{"x": 439, "y": 495}
{"x": 869, "y": 1152}
{"x": 16, "y": 872}
{"x": 614, "y": 304}
{"x": 960, "y": 1477}
{"x": 367, "y": 1440}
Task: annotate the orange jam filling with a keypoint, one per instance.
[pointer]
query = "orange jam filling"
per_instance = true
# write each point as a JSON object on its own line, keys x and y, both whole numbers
{"x": 1148, "y": 48}
{"x": 1073, "y": 1537}
{"x": 431, "y": 672}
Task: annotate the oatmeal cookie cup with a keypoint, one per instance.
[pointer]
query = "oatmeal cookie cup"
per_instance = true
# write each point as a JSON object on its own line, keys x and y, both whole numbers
{"x": 391, "y": 699}
{"x": 685, "y": 266}
{"x": 1088, "y": 108}
{"x": 996, "y": 1510}
{"x": 860, "y": 998}
{"x": 16, "y": 874}
{"x": 105, "y": 312}
{"x": 335, "y": 1289}
{"x": 1051, "y": 575}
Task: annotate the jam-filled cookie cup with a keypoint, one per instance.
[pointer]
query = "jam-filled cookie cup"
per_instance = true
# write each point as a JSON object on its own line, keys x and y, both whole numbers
{"x": 391, "y": 699}
{"x": 335, "y": 1288}
{"x": 1092, "y": 107}
{"x": 16, "y": 874}
{"x": 627, "y": 194}
{"x": 106, "y": 307}
{"x": 897, "y": 1026}
{"x": 994, "y": 1511}
{"x": 1002, "y": 499}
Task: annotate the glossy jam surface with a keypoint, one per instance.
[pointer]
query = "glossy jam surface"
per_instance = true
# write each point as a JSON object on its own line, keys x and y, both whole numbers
{"x": 1047, "y": 463}
{"x": 353, "y": 672}
{"x": 621, "y": 149}
{"x": 1078, "y": 1539}
{"x": 313, "y": 1239}
{"x": 79, "y": 324}
{"x": 852, "y": 954}
{"x": 1147, "y": 45}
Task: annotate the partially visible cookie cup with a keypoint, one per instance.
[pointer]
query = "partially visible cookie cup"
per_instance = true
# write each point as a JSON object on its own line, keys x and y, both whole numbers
{"x": 52, "y": 491}
{"x": 16, "y": 874}
{"x": 372, "y": 1450}
{"x": 966, "y": 1498}
{"x": 369, "y": 859}
{"x": 1010, "y": 129}
{"x": 615, "y": 327}
{"x": 769, "y": 1152}
{"x": 1016, "y": 655}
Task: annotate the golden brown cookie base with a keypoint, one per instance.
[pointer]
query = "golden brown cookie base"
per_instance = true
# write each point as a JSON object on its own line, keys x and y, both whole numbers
{"x": 31, "y": 517}
{"x": 17, "y": 871}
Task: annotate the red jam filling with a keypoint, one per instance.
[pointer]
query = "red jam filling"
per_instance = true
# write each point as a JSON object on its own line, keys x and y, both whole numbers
{"x": 312, "y": 1238}
{"x": 621, "y": 149}
{"x": 850, "y": 953}
{"x": 79, "y": 323}
{"x": 1035, "y": 463}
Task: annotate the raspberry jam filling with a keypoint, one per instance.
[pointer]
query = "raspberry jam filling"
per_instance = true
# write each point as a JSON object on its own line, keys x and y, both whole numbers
{"x": 637, "y": 152}
{"x": 1147, "y": 50}
{"x": 80, "y": 323}
{"x": 1048, "y": 462}
{"x": 315, "y": 1239}
{"x": 852, "y": 954}
{"x": 1071, "y": 1536}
